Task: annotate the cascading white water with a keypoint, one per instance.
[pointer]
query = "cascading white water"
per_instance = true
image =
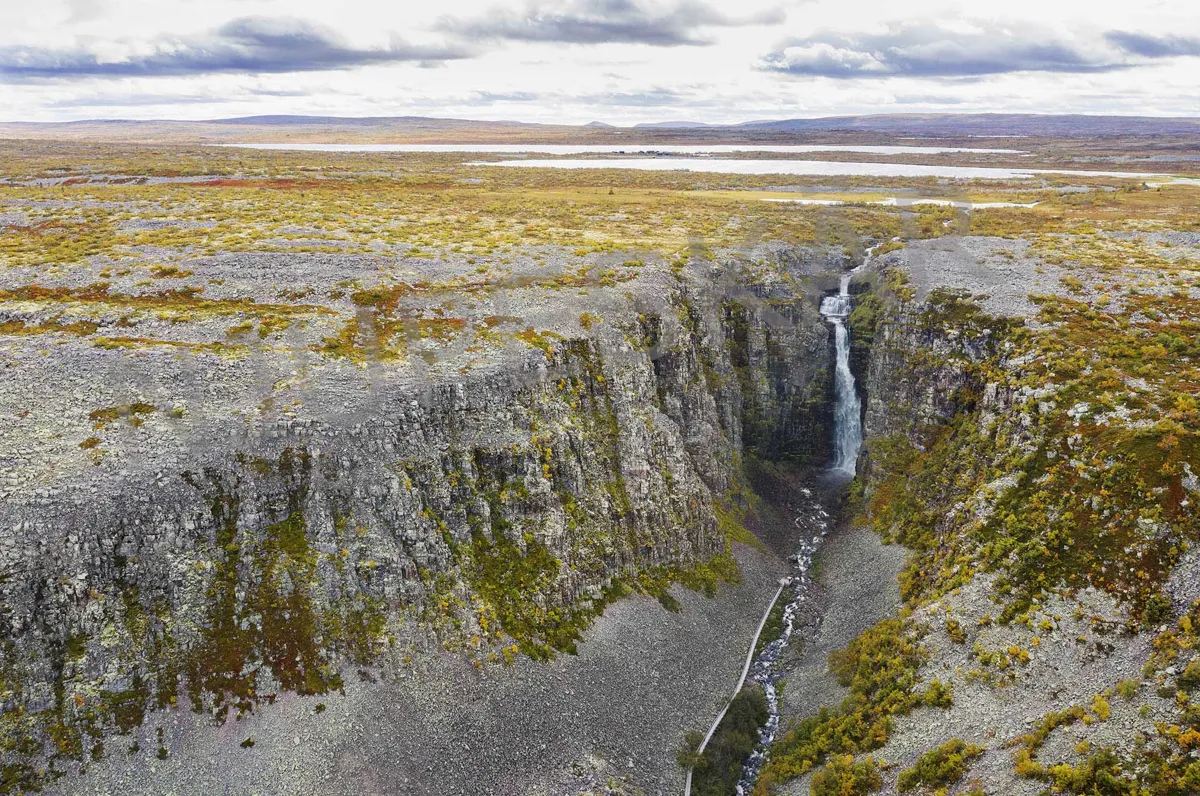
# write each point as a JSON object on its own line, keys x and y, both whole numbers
{"x": 813, "y": 520}
{"x": 847, "y": 418}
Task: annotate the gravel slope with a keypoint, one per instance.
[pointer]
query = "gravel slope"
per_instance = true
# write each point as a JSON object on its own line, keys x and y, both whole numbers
{"x": 616, "y": 712}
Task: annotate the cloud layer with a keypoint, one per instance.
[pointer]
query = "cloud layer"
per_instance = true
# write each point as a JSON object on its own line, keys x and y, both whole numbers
{"x": 1154, "y": 46}
{"x": 243, "y": 45}
{"x": 603, "y": 22}
{"x": 622, "y": 61}
{"x": 931, "y": 50}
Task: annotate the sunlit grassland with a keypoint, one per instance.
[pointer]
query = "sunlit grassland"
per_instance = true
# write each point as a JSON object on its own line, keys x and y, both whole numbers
{"x": 106, "y": 222}
{"x": 906, "y": 194}
{"x": 379, "y": 216}
{"x": 448, "y": 208}
{"x": 1132, "y": 207}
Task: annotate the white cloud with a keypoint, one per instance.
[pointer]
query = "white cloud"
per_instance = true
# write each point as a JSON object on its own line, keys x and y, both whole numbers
{"x": 621, "y": 61}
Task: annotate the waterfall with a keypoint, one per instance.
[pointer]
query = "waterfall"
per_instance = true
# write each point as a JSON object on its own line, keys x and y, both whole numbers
{"x": 847, "y": 419}
{"x": 814, "y": 522}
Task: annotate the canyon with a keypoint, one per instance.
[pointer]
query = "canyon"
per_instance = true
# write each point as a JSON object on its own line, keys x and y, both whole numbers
{"x": 401, "y": 473}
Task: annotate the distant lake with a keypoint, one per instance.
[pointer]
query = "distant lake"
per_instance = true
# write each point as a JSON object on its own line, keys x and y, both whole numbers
{"x": 805, "y": 167}
{"x": 587, "y": 149}
{"x": 910, "y": 202}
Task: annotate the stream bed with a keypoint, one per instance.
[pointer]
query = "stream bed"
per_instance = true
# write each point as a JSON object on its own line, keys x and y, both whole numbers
{"x": 813, "y": 521}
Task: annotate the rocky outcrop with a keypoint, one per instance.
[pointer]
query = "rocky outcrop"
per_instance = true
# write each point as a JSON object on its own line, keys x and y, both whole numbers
{"x": 489, "y": 511}
{"x": 1049, "y": 631}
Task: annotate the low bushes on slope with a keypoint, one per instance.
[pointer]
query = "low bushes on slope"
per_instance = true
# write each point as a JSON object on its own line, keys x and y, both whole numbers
{"x": 843, "y": 777}
{"x": 940, "y": 766}
{"x": 880, "y": 669}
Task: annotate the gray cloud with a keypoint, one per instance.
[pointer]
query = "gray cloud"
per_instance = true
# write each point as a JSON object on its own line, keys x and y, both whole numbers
{"x": 136, "y": 100}
{"x": 604, "y": 22}
{"x": 492, "y": 97}
{"x": 930, "y": 99}
{"x": 84, "y": 10}
{"x": 247, "y": 44}
{"x": 929, "y": 50}
{"x": 651, "y": 98}
{"x": 1148, "y": 46}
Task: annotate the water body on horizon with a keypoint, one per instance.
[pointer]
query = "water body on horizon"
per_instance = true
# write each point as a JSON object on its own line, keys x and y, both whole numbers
{"x": 906, "y": 202}
{"x": 586, "y": 149}
{"x": 826, "y": 168}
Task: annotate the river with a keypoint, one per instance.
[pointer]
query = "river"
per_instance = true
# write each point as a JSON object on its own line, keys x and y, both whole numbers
{"x": 807, "y": 167}
{"x": 813, "y": 521}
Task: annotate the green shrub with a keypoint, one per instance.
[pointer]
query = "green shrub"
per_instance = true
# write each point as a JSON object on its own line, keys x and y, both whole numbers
{"x": 1189, "y": 679}
{"x": 686, "y": 755}
{"x": 1158, "y": 609}
{"x": 938, "y": 695}
{"x": 720, "y": 766}
{"x": 1099, "y": 773}
{"x": 864, "y": 318}
{"x": 841, "y": 776}
{"x": 773, "y": 628}
{"x": 941, "y": 766}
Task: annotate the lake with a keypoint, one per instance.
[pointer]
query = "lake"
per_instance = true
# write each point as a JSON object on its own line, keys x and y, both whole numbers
{"x": 586, "y": 149}
{"x": 805, "y": 167}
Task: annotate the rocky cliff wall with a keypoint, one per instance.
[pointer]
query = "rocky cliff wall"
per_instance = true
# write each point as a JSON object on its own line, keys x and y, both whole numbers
{"x": 491, "y": 512}
{"x": 1045, "y": 498}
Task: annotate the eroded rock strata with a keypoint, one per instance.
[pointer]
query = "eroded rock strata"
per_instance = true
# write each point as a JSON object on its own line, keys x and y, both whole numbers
{"x": 237, "y": 528}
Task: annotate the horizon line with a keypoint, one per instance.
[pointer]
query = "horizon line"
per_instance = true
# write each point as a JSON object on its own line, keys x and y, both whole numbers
{"x": 597, "y": 123}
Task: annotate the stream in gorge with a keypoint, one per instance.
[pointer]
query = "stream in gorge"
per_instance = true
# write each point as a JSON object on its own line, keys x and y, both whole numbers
{"x": 813, "y": 522}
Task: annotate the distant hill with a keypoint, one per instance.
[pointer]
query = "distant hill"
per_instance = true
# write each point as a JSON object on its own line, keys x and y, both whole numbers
{"x": 997, "y": 124}
{"x": 365, "y": 121}
{"x": 307, "y": 129}
{"x": 420, "y": 129}
{"x": 672, "y": 125}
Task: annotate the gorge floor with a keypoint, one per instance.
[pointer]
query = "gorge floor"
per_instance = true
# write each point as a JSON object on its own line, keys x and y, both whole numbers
{"x": 618, "y": 711}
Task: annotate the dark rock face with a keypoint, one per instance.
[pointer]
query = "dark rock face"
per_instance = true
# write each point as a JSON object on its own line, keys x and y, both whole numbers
{"x": 924, "y": 375}
{"x": 510, "y": 498}
{"x": 915, "y": 397}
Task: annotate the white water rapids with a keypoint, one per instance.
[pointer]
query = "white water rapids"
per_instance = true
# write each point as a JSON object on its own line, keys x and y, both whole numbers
{"x": 813, "y": 522}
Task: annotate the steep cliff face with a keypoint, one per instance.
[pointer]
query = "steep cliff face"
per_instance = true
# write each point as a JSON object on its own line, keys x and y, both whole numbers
{"x": 917, "y": 376}
{"x": 491, "y": 510}
{"x": 1037, "y": 467}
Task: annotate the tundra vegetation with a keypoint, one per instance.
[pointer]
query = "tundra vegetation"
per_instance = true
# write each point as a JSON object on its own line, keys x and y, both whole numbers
{"x": 1065, "y": 464}
{"x": 137, "y": 250}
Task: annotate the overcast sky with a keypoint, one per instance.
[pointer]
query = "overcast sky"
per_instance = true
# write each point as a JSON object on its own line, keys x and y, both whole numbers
{"x": 618, "y": 61}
